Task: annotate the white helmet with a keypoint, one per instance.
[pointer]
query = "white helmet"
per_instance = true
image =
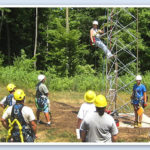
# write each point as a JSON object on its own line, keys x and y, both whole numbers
{"x": 95, "y": 22}
{"x": 41, "y": 77}
{"x": 138, "y": 77}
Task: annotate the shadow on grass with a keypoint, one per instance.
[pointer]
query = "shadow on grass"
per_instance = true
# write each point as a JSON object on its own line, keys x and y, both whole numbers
{"x": 75, "y": 112}
{"x": 66, "y": 105}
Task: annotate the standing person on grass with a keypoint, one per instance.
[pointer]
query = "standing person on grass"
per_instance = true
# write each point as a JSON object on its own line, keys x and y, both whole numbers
{"x": 9, "y": 100}
{"x": 42, "y": 101}
{"x": 99, "y": 126}
{"x": 138, "y": 98}
{"x": 86, "y": 107}
{"x": 22, "y": 126}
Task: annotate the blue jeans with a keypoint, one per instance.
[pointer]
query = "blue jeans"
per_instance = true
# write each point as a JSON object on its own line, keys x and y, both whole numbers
{"x": 101, "y": 45}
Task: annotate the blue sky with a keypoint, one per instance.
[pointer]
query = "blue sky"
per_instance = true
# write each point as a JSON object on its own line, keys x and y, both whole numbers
{"x": 75, "y": 2}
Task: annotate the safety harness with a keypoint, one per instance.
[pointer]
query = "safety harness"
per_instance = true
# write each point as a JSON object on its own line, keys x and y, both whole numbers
{"x": 18, "y": 129}
{"x": 94, "y": 41}
{"x": 8, "y": 101}
{"x": 138, "y": 102}
{"x": 137, "y": 99}
{"x": 40, "y": 103}
{"x": 41, "y": 100}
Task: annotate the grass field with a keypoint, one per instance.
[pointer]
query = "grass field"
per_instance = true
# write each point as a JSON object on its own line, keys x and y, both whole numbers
{"x": 64, "y": 108}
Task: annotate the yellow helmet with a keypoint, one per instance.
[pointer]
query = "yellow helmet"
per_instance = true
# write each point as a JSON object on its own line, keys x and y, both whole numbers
{"x": 10, "y": 87}
{"x": 90, "y": 96}
{"x": 19, "y": 95}
{"x": 100, "y": 101}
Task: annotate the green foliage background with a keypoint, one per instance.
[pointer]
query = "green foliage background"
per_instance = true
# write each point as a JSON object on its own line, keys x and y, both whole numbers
{"x": 66, "y": 58}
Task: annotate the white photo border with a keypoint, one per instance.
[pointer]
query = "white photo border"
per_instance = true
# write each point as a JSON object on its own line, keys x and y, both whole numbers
{"x": 103, "y": 4}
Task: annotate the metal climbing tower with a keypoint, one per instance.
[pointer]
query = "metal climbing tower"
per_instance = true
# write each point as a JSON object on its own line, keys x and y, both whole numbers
{"x": 122, "y": 40}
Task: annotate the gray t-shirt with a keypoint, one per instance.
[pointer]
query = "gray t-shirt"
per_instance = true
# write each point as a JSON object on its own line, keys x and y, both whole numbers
{"x": 41, "y": 90}
{"x": 99, "y": 128}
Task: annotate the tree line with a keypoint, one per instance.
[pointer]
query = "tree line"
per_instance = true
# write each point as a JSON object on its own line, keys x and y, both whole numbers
{"x": 58, "y": 38}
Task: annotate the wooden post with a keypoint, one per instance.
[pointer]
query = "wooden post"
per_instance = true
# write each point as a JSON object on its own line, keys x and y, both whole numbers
{"x": 137, "y": 63}
{"x": 106, "y": 89}
{"x": 67, "y": 19}
{"x": 1, "y": 24}
{"x": 8, "y": 42}
{"x": 116, "y": 83}
{"x": 47, "y": 38}
{"x": 116, "y": 77}
{"x": 36, "y": 35}
{"x": 67, "y": 30}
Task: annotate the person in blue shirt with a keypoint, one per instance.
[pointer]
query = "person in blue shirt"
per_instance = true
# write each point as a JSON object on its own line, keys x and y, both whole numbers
{"x": 138, "y": 98}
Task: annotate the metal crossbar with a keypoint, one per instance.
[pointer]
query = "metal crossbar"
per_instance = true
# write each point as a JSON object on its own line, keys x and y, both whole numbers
{"x": 117, "y": 67}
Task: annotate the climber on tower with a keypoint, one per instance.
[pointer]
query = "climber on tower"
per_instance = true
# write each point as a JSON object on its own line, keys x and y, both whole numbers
{"x": 95, "y": 39}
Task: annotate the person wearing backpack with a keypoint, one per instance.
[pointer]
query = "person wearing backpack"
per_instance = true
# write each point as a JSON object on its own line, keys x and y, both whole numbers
{"x": 22, "y": 126}
{"x": 42, "y": 101}
{"x": 9, "y": 100}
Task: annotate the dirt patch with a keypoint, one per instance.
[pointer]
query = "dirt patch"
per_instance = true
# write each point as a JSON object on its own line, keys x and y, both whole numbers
{"x": 133, "y": 135}
{"x": 64, "y": 116}
{"x": 65, "y": 120}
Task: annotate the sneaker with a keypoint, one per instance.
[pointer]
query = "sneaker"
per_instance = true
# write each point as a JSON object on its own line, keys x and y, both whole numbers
{"x": 135, "y": 124}
{"x": 38, "y": 121}
{"x": 139, "y": 124}
{"x": 110, "y": 56}
{"x": 48, "y": 124}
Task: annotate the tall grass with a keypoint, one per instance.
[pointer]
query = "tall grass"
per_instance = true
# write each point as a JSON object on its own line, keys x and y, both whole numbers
{"x": 27, "y": 79}
{"x": 23, "y": 75}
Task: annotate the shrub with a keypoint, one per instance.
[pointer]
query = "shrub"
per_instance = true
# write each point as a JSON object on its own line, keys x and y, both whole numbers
{"x": 23, "y": 75}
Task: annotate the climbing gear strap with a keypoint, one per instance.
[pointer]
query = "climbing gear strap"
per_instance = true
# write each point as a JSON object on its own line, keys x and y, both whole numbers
{"x": 17, "y": 113}
{"x": 5, "y": 109}
{"x": 17, "y": 120}
{"x": 11, "y": 127}
{"x": 37, "y": 88}
{"x": 41, "y": 103}
{"x": 8, "y": 101}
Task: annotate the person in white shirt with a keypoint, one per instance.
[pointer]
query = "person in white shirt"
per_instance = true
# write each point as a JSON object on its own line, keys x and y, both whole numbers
{"x": 9, "y": 100}
{"x": 98, "y": 126}
{"x": 24, "y": 115}
{"x": 86, "y": 107}
{"x": 95, "y": 39}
